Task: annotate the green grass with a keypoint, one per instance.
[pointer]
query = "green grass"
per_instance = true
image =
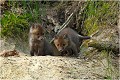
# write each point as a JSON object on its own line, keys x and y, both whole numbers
{"x": 99, "y": 14}
{"x": 17, "y": 19}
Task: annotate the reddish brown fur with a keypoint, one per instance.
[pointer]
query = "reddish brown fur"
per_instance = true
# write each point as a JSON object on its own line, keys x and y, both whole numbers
{"x": 73, "y": 36}
{"x": 38, "y": 44}
{"x": 60, "y": 42}
{"x": 65, "y": 46}
{"x": 36, "y": 31}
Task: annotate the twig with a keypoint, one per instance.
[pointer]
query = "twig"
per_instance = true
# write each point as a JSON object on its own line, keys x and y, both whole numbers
{"x": 94, "y": 33}
{"x": 68, "y": 20}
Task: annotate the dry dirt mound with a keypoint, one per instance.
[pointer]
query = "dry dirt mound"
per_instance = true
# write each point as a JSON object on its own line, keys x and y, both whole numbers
{"x": 50, "y": 68}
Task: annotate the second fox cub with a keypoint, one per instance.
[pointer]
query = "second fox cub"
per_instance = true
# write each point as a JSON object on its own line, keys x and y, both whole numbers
{"x": 65, "y": 46}
{"x": 38, "y": 44}
{"x": 73, "y": 40}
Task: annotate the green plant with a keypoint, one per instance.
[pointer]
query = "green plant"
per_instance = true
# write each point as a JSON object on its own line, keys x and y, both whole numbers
{"x": 99, "y": 13}
{"x": 111, "y": 71}
{"x": 16, "y": 19}
{"x": 13, "y": 25}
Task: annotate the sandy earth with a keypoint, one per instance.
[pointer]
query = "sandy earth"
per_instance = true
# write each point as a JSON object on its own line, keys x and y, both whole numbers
{"x": 50, "y": 68}
{"x": 55, "y": 67}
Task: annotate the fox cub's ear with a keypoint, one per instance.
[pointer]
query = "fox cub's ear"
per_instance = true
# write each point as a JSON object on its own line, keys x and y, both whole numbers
{"x": 56, "y": 37}
{"x": 65, "y": 36}
{"x": 33, "y": 25}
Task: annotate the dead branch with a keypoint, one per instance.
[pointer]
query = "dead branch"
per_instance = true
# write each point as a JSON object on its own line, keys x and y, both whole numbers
{"x": 105, "y": 45}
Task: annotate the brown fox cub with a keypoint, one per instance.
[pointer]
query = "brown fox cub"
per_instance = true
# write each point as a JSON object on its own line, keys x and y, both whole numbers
{"x": 65, "y": 46}
{"x": 37, "y": 42}
{"x": 73, "y": 37}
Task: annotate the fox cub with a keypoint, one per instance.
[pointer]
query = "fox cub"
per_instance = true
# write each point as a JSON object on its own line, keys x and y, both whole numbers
{"x": 69, "y": 44}
{"x": 39, "y": 46}
{"x": 65, "y": 46}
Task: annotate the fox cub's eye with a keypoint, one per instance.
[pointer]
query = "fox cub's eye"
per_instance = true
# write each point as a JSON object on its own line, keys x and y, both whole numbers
{"x": 37, "y": 33}
{"x": 57, "y": 44}
{"x": 63, "y": 44}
